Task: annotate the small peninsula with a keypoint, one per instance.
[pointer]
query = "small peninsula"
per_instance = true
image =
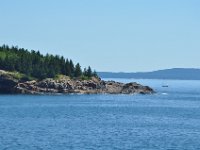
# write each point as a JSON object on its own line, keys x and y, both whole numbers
{"x": 29, "y": 72}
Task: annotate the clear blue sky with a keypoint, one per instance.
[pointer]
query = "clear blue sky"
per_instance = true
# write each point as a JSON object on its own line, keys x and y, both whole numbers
{"x": 109, "y": 35}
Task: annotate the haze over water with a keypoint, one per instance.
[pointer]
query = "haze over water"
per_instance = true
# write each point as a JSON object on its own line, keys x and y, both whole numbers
{"x": 168, "y": 119}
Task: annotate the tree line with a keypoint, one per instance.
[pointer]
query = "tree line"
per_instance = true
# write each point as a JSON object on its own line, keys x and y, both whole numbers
{"x": 34, "y": 64}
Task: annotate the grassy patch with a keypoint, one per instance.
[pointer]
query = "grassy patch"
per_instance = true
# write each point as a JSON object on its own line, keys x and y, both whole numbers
{"x": 61, "y": 77}
{"x": 21, "y": 76}
{"x": 85, "y": 78}
{"x": 18, "y": 76}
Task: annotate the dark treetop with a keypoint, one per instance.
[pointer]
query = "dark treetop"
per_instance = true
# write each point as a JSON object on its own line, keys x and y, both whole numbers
{"x": 34, "y": 64}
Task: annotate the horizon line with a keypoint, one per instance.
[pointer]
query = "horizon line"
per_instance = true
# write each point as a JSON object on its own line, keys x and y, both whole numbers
{"x": 147, "y": 71}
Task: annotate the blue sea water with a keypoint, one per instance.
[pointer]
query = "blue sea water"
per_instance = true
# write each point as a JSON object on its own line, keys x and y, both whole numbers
{"x": 167, "y": 120}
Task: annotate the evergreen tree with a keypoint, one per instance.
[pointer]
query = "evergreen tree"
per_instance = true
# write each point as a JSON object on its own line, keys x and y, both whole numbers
{"x": 34, "y": 64}
{"x": 85, "y": 72}
{"x": 95, "y": 74}
{"x": 71, "y": 66}
{"x": 63, "y": 65}
{"x": 78, "y": 71}
{"x": 89, "y": 72}
{"x": 68, "y": 70}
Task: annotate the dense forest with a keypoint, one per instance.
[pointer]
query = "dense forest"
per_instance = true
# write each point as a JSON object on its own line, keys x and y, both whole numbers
{"x": 34, "y": 64}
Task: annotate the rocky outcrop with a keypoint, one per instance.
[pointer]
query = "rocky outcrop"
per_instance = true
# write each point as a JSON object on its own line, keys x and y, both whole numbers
{"x": 93, "y": 86}
{"x": 67, "y": 86}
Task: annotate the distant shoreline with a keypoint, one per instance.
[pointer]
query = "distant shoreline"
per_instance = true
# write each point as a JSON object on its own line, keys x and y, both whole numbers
{"x": 167, "y": 74}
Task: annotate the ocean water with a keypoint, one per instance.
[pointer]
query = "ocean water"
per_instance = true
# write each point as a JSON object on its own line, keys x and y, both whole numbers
{"x": 167, "y": 120}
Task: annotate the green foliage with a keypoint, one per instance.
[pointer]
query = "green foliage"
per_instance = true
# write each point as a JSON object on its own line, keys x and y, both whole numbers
{"x": 61, "y": 77}
{"x": 34, "y": 64}
{"x": 19, "y": 76}
{"x": 77, "y": 71}
{"x": 88, "y": 72}
{"x": 85, "y": 77}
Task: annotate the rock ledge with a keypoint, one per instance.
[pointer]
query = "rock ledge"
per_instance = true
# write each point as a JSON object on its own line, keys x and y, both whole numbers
{"x": 8, "y": 84}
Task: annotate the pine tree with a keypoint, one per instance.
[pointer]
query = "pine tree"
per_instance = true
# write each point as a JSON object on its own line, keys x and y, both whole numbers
{"x": 85, "y": 72}
{"x": 89, "y": 72}
{"x": 63, "y": 65}
{"x": 68, "y": 70}
{"x": 94, "y": 74}
{"x": 71, "y": 65}
{"x": 35, "y": 64}
{"x": 78, "y": 71}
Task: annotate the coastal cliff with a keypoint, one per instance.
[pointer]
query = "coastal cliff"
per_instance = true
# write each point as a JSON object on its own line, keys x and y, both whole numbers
{"x": 11, "y": 83}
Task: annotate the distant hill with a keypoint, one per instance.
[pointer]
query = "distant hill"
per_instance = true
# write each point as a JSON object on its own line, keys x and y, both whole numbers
{"x": 175, "y": 73}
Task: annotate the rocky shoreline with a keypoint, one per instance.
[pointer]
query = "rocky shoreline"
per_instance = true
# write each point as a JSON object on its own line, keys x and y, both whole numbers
{"x": 11, "y": 85}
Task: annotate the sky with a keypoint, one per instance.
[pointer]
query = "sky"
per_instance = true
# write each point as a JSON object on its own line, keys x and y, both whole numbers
{"x": 108, "y": 35}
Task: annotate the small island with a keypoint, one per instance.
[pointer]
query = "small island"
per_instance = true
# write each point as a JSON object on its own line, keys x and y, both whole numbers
{"x": 29, "y": 72}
